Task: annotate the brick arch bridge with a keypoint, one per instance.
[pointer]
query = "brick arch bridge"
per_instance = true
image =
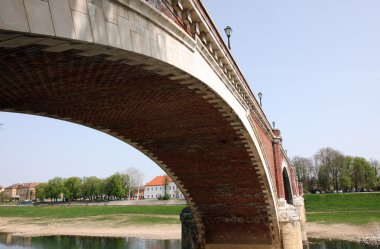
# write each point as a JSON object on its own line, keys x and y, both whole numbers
{"x": 157, "y": 75}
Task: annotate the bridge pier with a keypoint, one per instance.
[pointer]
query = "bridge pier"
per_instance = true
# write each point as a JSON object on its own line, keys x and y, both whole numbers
{"x": 300, "y": 207}
{"x": 290, "y": 226}
{"x": 189, "y": 231}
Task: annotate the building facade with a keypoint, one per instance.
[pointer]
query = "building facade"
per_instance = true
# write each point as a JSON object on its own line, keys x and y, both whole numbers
{"x": 161, "y": 185}
{"x": 21, "y": 191}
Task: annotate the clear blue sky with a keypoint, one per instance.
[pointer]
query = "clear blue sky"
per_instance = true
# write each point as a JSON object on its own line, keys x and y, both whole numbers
{"x": 317, "y": 64}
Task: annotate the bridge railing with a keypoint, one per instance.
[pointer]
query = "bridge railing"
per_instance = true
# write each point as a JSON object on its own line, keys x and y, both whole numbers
{"x": 192, "y": 17}
{"x": 172, "y": 13}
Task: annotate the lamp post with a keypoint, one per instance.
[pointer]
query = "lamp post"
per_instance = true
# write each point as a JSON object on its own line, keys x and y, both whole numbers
{"x": 260, "y": 96}
{"x": 228, "y": 31}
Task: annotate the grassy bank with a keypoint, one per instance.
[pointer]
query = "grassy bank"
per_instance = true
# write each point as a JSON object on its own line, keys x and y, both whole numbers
{"x": 60, "y": 212}
{"x": 355, "y": 208}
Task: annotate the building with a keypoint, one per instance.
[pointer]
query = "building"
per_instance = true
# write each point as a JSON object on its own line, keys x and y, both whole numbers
{"x": 138, "y": 193}
{"x": 156, "y": 188}
{"x": 27, "y": 191}
{"x": 10, "y": 192}
{"x": 21, "y": 191}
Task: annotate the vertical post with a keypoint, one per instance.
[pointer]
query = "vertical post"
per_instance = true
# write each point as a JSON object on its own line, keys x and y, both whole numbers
{"x": 189, "y": 230}
{"x": 278, "y": 158}
{"x": 299, "y": 204}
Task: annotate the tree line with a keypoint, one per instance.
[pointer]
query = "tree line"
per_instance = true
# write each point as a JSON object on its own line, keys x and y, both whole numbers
{"x": 118, "y": 185}
{"x": 330, "y": 170}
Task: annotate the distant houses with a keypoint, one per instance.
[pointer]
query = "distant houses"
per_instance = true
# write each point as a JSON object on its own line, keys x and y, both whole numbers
{"x": 20, "y": 191}
{"x": 160, "y": 185}
{"x": 155, "y": 189}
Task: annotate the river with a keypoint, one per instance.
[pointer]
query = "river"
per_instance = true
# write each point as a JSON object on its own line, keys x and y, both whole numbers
{"x": 8, "y": 241}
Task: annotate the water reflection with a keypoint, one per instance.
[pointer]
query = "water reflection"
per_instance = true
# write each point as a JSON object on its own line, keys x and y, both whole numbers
{"x": 8, "y": 241}
{"x": 76, "y": 242}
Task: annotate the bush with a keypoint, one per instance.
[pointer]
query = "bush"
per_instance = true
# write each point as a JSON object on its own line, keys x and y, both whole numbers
{"x": 163, "y": 197}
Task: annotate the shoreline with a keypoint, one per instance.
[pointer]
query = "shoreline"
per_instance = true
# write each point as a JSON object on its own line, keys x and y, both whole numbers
{"x": 368, "y": 234}
{"x": 119, "y": 227}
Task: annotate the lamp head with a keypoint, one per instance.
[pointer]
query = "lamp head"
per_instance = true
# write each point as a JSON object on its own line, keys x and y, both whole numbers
{"x": 228, "y": 31}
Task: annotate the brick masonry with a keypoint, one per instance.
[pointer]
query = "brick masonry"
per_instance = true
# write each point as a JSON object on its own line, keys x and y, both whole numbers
{"x": 124, "y": 68}
{"x": 184, "y": 129}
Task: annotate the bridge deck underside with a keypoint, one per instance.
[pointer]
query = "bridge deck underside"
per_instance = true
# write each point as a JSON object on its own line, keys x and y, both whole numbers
{"x": 175, "y": 124}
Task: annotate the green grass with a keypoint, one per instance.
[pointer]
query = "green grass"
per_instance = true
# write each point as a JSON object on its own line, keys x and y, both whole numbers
{"x": 153, "y": 219}
{"x": 355, "y": 208}
{"x": 8, "y": 203}
{"x": 60, "y": 212}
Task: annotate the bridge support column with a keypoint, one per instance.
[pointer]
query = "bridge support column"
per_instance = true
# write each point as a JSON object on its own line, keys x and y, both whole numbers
{"x": 290, "y": 226}
{"x": 189, "y": 230}
{"x": 299, "y": 204}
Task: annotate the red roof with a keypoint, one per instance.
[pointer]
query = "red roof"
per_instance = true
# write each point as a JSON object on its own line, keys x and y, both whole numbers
{"x": 159, "y": 181}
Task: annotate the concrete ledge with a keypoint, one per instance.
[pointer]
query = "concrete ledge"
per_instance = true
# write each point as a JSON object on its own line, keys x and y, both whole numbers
{"x": 238, "y": 246}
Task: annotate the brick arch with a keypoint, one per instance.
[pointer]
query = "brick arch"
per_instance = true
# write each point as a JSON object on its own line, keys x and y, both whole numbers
{"x": 287, "y": 186}
{"x": 175, "y": 120}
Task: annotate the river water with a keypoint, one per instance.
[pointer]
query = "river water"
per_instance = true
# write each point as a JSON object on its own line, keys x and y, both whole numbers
{"x": 75, "y": 242}
{"x": 8, "y": 241}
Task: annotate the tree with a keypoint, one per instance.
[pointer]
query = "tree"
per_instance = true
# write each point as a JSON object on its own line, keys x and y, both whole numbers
{"x": 126, "y": 182}
{"x": 73, "y": 187}
{"x": 114, "y": 186}
{"x": 41, "y": 191}
{"x": 369, "y": 176}
{"x": 345, "y": 175}
{"x": 331, "y": 162}
{"x": 323, "y": 178}
{"x": 2, "y": 197}
{"x": 303, "y": 168}
{"x": 166, "y": 183}
{"x": 54, "y": 188}
{"x": 363, "y": 174}
{"x": 135, "y": 180}
{"x": 376, "y": 166}
{"x": 92, "y": 187}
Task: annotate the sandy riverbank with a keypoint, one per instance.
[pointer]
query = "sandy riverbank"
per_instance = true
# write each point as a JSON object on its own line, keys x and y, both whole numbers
{"x": 96, "y": 226}
{"x": 367, "y": 234}
{"x": 120, "y": 227}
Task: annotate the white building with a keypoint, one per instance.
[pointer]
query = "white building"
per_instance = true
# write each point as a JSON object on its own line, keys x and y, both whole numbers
{"x": 156, "y": 188}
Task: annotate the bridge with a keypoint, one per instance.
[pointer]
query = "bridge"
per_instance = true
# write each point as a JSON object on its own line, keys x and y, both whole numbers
{"x": 157, "y": 75}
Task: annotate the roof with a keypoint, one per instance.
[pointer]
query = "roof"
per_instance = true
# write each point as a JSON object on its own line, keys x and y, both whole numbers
{"x": 23, "y": 185}
{"x": 13, "y": 186}
{"x": 28, "y": 185}
{"x": 159, "y": 181}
